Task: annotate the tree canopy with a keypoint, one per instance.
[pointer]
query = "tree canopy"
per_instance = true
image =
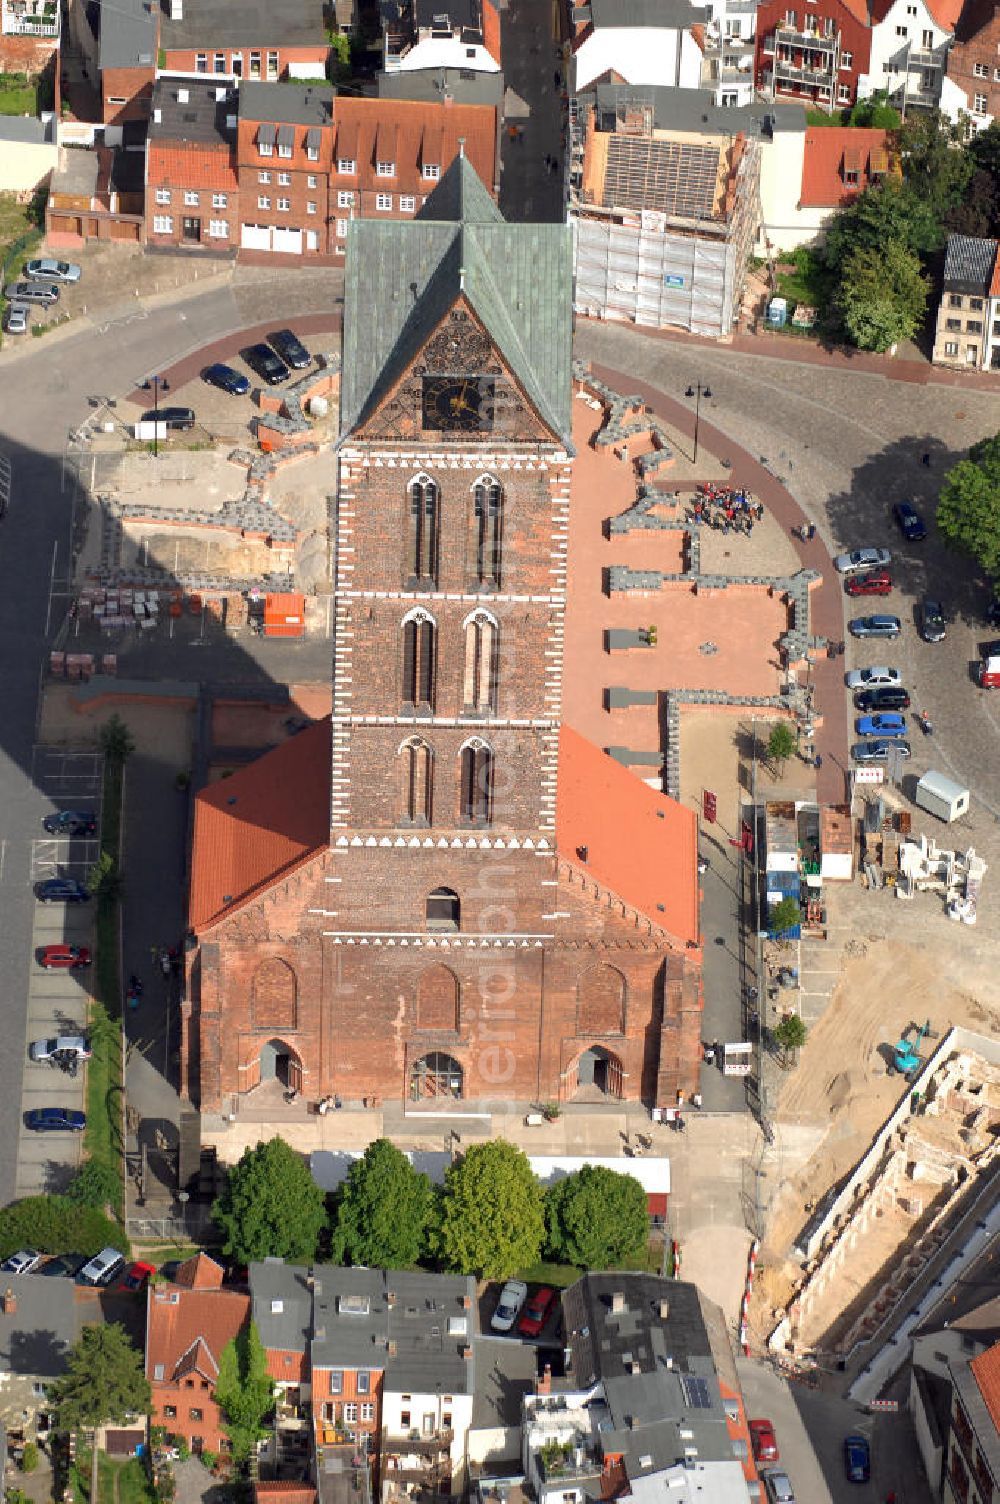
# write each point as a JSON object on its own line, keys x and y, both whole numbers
{"x": 104, "y": 1380}
{"x": 271, "y": 1205}
{"x": 781, "y": 743}
{"x": 54, "y": 1223}
{"x": 596, "y": 1218}
{"x": 882, "y": 295}
{"x": 491, "y": 1220}
{"x": 244, "y": 1391}
{"x": 383, "y": 1210}
{"x": 935, "y": 165}
{"x": 969, "y": 506}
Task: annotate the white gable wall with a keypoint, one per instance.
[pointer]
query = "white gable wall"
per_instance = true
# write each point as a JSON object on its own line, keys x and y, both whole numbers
{"x": 640, "y": 55}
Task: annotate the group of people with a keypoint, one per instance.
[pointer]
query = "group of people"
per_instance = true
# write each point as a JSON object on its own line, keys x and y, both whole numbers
{"x": 727, "y": 508}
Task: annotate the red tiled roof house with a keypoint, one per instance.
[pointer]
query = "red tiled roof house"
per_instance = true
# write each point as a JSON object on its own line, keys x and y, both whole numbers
{"x": 191, "y": 181}
{"x": 186, "y": 1332}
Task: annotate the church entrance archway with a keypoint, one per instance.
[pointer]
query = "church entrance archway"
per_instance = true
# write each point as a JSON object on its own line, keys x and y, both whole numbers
{"x": 598, "y": 1075}
{"x": 279, "y": 1062}
{"x": 436, "y": 1075}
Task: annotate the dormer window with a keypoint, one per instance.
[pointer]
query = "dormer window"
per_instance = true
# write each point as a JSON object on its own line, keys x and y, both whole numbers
{"x": 385, "y": 169}
{"x": 286, "y": 140}
{"x": 265, "y": 140}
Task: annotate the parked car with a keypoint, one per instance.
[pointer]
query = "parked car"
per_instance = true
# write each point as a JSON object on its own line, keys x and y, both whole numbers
{"x": 262, "y": 359}
{"x": 762, "y": 1439}
{"x": 875, "y": 626}
{"x": 932, "y": 624}
{"x": 135, "y": 1277}
{"x": 62, "y": 1044}
{"x": 55, "y": 1120}
{"x": 888, "y": 697}
{"x": 64, "y": 957}
{"x": 178, "y": 418}
{"x": 857, "y": 1459}
{"x": 291, "y": 349}
{"x": 22, "y": 1262}
{"x": 102, "y": 1268}
{"x": 886, "y": 723}
{"x": 537, "y": 1312}
{"x": 33, "y": 292}
{"x": 66, "y": 1266}
{"x": 778, "y": 1486}
{"x": 70, "y": 822}
{"x": 226, "y": 379}
{"x": 870, "y": 678}
{"x": 17, "y": 319}
{"x": 512, "y": 1298}
{"x": 872, "y": 582}
{"x": 61, "y": 890}
{"x": 51, "y": 270}
{"x": 862, "y": 558}
{"x": 909, "y": 521}
{"x": 879, "y": 750}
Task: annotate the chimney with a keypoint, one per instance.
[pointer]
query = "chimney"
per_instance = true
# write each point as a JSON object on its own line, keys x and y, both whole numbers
{"x": 635, "y": 1366}
{"x": 9, "y": 1302}
{"x": 617, "y": 1302}
{"x": 466, "y": 1302}
{"x": 392, "y": 1349}
{"x": 466, "y": 1352}
{"x": 544, "y": 1384}
{"x": 664, "y": 1309}
{"x": 390, "y": 1298}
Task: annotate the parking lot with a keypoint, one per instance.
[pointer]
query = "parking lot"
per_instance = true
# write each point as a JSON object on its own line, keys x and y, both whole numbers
{"x": 58, "y": 1000}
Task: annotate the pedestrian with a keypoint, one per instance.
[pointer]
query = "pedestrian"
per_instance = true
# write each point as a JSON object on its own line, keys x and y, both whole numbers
{"x": 696, "y": 1100}
{"x": 556, "y": 79}
{"x": 818, "y": 761}
{"x": 681, "y": 1125}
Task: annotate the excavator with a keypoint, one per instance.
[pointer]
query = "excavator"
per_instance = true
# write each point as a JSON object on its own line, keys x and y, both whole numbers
{"x": 907, "y": 1059}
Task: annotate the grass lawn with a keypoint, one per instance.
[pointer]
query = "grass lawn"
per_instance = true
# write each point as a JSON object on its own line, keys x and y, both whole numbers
{"x": 18, "y": 96}
{"x": 810, "y": 281}
{"x": 121, "y": 1481}
{"x": 103, "y": 1140}
{"x": 559, "y": 1276}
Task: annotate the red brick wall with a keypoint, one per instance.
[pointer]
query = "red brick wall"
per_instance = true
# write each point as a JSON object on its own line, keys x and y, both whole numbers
{"x": 185, "y": 59}
{"x": 984, "y": 49}
{"x": 175, "y": 166}
{"x": 30, "y": 55}
{"x": 134, "y": 86}
{"x": 192, "y": 1393}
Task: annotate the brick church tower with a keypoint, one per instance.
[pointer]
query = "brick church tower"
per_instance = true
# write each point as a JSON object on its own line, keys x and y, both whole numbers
{"x": 471, "y": 912}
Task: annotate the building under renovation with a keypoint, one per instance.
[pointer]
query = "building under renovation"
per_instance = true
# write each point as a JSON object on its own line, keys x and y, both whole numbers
{"x": 664, "y": 212}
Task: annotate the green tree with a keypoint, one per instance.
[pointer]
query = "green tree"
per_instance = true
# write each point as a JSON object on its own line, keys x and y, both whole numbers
{"x": 892, "y": 212}
{"x": 29, "y": 1457}
{"x": 94, "y": 1184}
{"x": 882, "y": 296}
{"x": 596, "y": 1218}
{"x": 875, "y": 113}
{"x": 784, "y": 916}
{"x": 103, "y": 1381}
{"x": 383, "y": 1210}
{"x": 116, "y": 739}
{"x": 979, "y": 211}
{"x": 244, "y": 1391}
{"x": 491, "y": 1218}
{"x": 781, "y": 744}
{"x": 54, "y": 1223}
{"x": 969, "y": 506}
{"x": 791, "y": 1032}
{"x": 103, "y": 878}
{"x": 935, "y": 164}
{"x": 271, "y": 1206}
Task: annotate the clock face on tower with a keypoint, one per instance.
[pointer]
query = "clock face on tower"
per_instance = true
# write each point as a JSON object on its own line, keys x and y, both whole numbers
{"x": 458, "y": 404}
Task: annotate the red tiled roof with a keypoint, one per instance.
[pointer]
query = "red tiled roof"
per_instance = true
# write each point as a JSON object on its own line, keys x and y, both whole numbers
{"x": 407, "y": 124}
{"x": 188, "y": 1329}
{"x": 986, "y": 1372}
{"x": 200, "y": 1273}
{"x": 827, "y": 149}
{"x": 254, "y": 827}
{"x": 282, "y": 1492}
{"x": 995, "y": 283}
{"x": 640, "y": 844}
{"x": 289, "y": 1367}
{"x": 945, "y": 12}
{"x": 491, "y": 30}
{"x": 192, "y": 166}
{"x": 698, "y": 36}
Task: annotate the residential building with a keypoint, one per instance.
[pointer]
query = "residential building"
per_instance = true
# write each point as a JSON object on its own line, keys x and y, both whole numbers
{"x": 817, "y": 55}
{"x": 972, "y": 1458}
{"x": 655, "y": 42}
{"x": 28, "y": 153}
{"x": 282, "y": 1310}
{"x": 972, "y": 85}
{"x": 126, "y": 43}
{"x": 966, "y": 1323}
{"x": 909, "y": 52}
{"x": 651, "y": 1400}
{"x": 187, "y": 1330}
{"x": 449, "y": 86}
{"x": 968, "y": 320}
{"x": 680, "y": 207}
{"x": 838, "y": 163}
{"x": 309, "y": 164}
{"x": 383, "y": 824}
{"x": 440, "y": 34}
{"x": 40, "y": 1320}
{"x": 192, "y": 187}
{"x": 244, "y": 41}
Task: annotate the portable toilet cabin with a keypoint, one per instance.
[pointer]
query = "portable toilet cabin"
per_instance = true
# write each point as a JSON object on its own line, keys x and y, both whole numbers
{"x": 941, "y": 796}
{"x": 777, "y": 313}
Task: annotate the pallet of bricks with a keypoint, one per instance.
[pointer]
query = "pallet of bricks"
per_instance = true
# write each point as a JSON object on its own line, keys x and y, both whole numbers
{"x": 116, "y": 609}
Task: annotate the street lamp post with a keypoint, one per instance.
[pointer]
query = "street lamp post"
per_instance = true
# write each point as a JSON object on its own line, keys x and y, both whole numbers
{"x": 697, "y": 392}
{"x": 158, "y": 384}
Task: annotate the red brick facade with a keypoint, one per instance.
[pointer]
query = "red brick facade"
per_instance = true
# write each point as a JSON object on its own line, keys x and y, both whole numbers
{"x": 444, "y": 944}
{"x": 974, "y": 61}
{"x": 272, "y": 62}
{"x": 186, "y": 1332}
{"x": 191, "y": 195}
{"x": 125, "y": 94}
{"x": 816, "y": 55}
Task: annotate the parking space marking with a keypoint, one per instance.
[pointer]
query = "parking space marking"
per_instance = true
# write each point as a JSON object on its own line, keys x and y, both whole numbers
{"x": 62, "y": 856}
{"x": 66, "y": 775}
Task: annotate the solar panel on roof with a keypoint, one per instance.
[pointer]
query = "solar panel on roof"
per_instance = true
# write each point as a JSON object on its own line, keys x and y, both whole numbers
{"x": 674, "y": 177}
{"x": 696, "y": 1392}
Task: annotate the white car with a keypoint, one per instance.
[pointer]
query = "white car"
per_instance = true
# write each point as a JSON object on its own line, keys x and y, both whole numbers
{"x": 52, "y": 271}
{"x": 64, "y": 1044}
{"x": 512, "y": 1298}
{"x": 873, "y": 678}
{"x": 21, "y": 1262}
{"x": 17, "y": 319}
{"x": 862, "y": 558}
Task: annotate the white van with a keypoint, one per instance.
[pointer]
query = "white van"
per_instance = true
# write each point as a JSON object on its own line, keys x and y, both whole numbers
{"x": 102, "y": 1268}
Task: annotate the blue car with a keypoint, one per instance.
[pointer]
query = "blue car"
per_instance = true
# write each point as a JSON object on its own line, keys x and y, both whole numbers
{"x": 884, "y": 723}
{"x": 55, "y": 1120}
{"x": 857, "y": 1459}
{"x": 909, "y": 522}
{"x": 875, "y": 626}
{"x": 61, "y": 890}
{"x": 226, "y": 379}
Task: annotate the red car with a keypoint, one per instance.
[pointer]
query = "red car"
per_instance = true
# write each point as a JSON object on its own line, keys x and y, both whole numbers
{"x": 765, "y": 1448}
{"x": 536, "y": 1312}
{"x": 873, "y": 582}
{"x": 67, "y": 956}
{"x": 134, "y": 1278}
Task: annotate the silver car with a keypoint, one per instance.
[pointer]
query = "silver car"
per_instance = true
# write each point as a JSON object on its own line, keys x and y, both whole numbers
{"x": 862, "y": 558}
{"x": 778, "y": 1485}
{"x": 17, "y": 319}
{"x": 22, "y": 1262}
{"x": 873, "y": 678}
{"x": 69, "y": 1045}
{"x": 51, "y": 270}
